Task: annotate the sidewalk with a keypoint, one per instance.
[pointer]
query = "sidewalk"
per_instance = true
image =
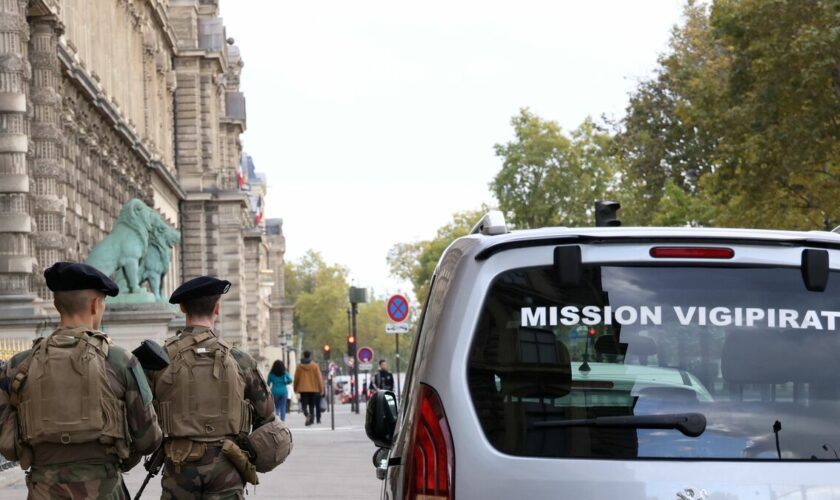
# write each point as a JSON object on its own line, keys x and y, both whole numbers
{"x": 324, "y": 464}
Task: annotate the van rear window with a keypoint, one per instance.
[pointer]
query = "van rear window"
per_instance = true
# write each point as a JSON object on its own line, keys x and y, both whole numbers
{"x": 580, "y": 371}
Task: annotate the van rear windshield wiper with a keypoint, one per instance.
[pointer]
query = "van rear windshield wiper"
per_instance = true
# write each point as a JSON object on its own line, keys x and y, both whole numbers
{"x": 690, "y": 424}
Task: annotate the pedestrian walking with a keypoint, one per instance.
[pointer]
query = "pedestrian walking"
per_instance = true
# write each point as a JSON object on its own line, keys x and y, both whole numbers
{"x": 383, "y": 379}
{"x": 309, "y": 383}
{"x": 72, "y": 450}
{"x": 209, "y": 396}
{"x": 278, "y": 379}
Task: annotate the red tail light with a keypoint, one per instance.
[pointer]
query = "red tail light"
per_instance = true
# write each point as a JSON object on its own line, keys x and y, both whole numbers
{"x": 431, "y": 457}
{"x": 692, "y": 253}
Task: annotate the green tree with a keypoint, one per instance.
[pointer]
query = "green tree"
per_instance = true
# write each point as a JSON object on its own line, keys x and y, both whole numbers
{"x": 676, "y": 207}
{"x": 780, "y": 126}
{"x": 415, "y": 262}
{"x": 549, "y": 178}
{"x": 742, "y": 116}
{"x": 319, "y": 293}
{"x": 667, "y": 140}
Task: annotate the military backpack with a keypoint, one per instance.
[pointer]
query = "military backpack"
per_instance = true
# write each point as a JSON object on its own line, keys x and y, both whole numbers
{"x": 201, "y": 394}
{"x": 63, "y": 395}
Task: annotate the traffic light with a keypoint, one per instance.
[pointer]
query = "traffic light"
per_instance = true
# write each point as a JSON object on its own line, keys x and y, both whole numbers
{"x": 351, "y": 345}
{"x": 327, "y": 350}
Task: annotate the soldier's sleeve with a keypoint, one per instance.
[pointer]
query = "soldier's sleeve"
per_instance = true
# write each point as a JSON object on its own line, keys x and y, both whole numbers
{"x": 146, "y": 434}
{"x": 5, "y": 406}
{"x": 7, "y": 374}
{"x": 255, "y": 389}
{"x": 7, "y": 411}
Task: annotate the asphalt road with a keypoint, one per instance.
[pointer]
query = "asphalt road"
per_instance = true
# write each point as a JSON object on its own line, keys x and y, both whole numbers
{"x": 324, "y": 464}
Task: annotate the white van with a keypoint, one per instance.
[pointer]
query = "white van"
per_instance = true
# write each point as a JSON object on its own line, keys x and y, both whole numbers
{"x": 631, "y": 363}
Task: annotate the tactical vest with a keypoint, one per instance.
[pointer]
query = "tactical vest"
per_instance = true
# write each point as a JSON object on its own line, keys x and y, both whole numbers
{"x": 63, "y": 395}
{"x": 201, "y": 394}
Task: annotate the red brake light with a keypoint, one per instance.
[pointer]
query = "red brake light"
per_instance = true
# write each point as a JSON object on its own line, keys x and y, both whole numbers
{"x": 692, "y": 253}
{"x": 431, "y": 459}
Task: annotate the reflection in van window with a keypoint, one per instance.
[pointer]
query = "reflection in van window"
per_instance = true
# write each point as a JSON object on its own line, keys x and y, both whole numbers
{"x": 531, "y": 362}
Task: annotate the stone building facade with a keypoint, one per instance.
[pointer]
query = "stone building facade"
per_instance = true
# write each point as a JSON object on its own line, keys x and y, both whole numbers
{"x": 102, "y": 102}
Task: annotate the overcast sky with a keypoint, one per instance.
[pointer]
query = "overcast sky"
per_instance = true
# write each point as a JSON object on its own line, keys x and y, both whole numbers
{"x": 375, "y": 120}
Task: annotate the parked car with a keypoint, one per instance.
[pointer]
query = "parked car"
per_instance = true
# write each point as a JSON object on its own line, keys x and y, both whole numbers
{"x": 613, "y": 362}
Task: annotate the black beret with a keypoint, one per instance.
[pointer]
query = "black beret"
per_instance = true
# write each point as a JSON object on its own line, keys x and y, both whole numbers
{"x": 67, "y": 276}
{"x": 203, "y": 286}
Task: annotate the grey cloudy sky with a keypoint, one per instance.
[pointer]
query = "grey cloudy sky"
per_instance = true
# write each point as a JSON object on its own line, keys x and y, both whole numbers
{"x": 374, "y": 120}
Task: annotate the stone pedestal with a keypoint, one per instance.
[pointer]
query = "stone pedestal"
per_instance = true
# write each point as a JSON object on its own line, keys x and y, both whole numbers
{"x": 130, "y": 324}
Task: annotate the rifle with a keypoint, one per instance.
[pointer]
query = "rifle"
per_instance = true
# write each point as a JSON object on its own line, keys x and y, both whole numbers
{"x": 153, "y": 464}
{"x": 152, "y": 357}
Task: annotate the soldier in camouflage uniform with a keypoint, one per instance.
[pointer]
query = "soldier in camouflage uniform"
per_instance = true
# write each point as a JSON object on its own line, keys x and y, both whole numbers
{"x": 187, "y": 394}
{"x": 66, "y": 466}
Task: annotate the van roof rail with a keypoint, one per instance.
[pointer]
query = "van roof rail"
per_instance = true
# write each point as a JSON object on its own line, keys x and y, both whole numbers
{"x": 493, "y": 223}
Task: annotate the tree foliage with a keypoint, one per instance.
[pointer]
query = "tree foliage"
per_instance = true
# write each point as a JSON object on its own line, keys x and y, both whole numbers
{"x": 319, "y": 292}
{"x": 667, "y": 136}
{"x": 549, "y": 178}
{"x": 415, "y": 262}
{"x": 742, "y": 116}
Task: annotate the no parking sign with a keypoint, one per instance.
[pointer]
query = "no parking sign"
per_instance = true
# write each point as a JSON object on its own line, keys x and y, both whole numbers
{"x": 397, "y": 308}
{"x": 365, "y": 354}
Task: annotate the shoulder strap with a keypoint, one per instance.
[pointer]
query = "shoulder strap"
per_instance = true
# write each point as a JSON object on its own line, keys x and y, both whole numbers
{"x": 99, "y": 340}
{"x": 222, "y": 343}
{"x": 182, "y": 342}
{"x": 22, "y": 372}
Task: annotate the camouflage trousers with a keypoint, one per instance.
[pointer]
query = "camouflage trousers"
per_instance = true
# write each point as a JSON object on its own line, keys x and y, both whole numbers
{"x": 76, "y": 482}
{"x": 211, "y": 477}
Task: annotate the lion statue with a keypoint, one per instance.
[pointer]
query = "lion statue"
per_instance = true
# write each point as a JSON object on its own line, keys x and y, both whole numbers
{"x": 120, "y": 254}
{"x": 155, "y": 264}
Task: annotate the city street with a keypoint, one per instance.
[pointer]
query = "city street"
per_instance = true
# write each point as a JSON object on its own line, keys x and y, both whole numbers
{"x": 323, "y": 464}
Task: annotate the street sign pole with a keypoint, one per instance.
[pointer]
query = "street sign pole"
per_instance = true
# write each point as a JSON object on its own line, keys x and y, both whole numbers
{"x": 397, "y": 337}
{"x": 353, "y": 314}
{"x": 332, "y": 402}
{"x": 397, "y": 310}
{"x": 357, "y": 296}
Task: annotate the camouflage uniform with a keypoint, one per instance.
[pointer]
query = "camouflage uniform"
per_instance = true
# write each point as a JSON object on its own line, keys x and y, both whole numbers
{"x": 213, "y": 476}
{"x": 85, "y": 470}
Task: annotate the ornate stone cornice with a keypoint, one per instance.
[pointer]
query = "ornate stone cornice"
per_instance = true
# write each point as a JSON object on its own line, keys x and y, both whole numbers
{"x": 169, "y": 179}
{"x": 92, "y": 90}
{"x": 217, "y": 57}
{"x": 40, "y": 8}
{"x": 161, "y": 18}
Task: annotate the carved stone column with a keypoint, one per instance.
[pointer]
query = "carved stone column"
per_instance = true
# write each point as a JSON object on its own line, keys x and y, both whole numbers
{"x": 47, "y": 172}
{"x": 16, "y": 259}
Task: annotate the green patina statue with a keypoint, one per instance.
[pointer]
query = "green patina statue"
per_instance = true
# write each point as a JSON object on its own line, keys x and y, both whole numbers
{"x": 138, "y": 249}
{"x": 155, "y": 264}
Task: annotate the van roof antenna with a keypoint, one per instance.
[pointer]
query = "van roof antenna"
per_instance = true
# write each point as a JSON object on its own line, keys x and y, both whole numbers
{"x": 491, "y": 224}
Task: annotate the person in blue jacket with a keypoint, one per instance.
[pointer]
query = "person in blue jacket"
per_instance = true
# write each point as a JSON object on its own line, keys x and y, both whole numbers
{"x": 278, "y": 379}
